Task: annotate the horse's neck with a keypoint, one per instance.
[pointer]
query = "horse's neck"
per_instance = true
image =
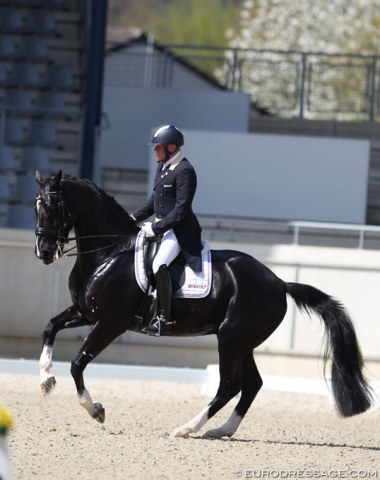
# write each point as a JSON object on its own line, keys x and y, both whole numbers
{"x": 101, "y": 226}
{"x": 97, "y": 225}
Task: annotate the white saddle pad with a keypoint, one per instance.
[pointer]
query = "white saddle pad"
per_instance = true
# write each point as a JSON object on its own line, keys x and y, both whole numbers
{"x": 196, "y": 285}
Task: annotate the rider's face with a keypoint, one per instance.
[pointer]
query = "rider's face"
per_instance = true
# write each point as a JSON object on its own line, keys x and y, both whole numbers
{"x": 160, "y": 152}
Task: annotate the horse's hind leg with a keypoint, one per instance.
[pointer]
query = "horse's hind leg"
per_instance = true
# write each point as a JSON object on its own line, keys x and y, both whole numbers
{"x": 229, "y": 368}
{"x": 69, "y": 318}
{"x": 101, "y": 335}
{"x": 251, "y": 383}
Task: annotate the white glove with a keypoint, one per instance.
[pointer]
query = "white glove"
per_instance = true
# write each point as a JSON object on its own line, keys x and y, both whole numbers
{"x": 147, "y": 229}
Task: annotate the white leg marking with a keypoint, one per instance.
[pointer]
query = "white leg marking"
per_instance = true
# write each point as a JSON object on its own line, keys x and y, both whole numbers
{"x": 95, "y": 409}
{"x": 227, "y": 429}
{"x": 86, "y": 402}
{"x": 45, "y": 362}
{"x": 193, "y": 425}
{"x": 47, "y": 381}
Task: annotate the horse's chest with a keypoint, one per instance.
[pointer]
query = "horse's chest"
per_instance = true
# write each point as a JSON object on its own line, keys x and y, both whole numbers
{"x": 101, "y": 286}
{"x": 86, "y": 291}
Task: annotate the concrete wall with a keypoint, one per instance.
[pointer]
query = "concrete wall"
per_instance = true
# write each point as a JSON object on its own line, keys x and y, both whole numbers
{"x": 31, "y": 293}
{"x": 134, "y": 112}
{"x": 278, "y": 177}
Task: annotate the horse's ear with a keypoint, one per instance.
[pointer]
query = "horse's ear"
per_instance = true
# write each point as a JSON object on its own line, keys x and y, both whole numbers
{"x": 57, "y": 179}
{"x": 38, "y": 177}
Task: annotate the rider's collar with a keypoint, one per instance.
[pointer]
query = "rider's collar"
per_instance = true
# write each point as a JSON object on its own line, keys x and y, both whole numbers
{"x": 173, "y": 161}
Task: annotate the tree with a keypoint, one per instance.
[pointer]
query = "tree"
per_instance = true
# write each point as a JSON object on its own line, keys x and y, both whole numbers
{"x": 194, "y": 22}
{"x": 197, "y": 22}
{"x": 332, "y": 27}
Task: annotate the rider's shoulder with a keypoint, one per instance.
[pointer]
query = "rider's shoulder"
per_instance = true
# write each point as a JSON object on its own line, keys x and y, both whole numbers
{"x": 185, "y": 164}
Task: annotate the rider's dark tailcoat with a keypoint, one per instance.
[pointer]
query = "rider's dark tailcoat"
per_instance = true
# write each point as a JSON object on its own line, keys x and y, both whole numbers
{"x": 171, "y": 203}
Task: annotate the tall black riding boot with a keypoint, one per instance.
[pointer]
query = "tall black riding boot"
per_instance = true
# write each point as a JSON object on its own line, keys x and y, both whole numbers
{"x": 164, "y": 303}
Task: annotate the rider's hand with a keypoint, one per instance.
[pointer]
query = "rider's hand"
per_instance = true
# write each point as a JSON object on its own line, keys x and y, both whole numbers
{"x": 147, "y": 229}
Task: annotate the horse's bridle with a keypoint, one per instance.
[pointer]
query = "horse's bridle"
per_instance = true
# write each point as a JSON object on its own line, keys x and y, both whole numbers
{"x": 60, "y": 233}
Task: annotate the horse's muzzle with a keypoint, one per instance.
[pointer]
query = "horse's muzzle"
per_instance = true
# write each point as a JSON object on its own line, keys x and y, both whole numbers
{"x": 46, "y": 255}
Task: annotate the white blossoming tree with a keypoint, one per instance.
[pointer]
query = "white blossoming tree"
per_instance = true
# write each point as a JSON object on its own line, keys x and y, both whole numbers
{"x": 326, "y": 26}
{"x": 331, "y": 26}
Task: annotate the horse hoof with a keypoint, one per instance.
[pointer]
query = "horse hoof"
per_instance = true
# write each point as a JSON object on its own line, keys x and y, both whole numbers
{"x": 212, "y": 434}
{"x": 99, "y": 413}
{"x": 48, "y": 386}
{"x": 216, "y": 433}
{"x": 179, "y": 433}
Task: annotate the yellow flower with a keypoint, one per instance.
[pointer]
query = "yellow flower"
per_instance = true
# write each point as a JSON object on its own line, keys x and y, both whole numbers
{"x": 6, "y": 420}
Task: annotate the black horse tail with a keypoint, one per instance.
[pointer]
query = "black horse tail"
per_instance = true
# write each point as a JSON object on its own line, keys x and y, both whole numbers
{"x": 351, "y": 392}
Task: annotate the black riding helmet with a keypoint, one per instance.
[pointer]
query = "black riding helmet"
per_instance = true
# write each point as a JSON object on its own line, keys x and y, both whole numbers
{"x": 167, "y": 135}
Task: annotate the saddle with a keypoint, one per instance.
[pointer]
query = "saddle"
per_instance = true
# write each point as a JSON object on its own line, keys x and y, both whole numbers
{"x": 185, "y": 282}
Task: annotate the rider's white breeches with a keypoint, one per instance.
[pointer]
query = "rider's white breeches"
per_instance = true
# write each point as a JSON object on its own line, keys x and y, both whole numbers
{"x": 167, "y": 252}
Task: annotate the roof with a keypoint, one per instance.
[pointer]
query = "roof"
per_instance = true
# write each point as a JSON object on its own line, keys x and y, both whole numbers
{"x": 143, "y": 39}
{"x": 120, "y": 39}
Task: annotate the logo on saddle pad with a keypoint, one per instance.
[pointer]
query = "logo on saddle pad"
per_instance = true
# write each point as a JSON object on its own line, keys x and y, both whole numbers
{"x": 187, "y": 284}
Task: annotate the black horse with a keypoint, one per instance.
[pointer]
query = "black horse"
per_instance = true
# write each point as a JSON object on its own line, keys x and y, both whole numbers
{"x": 246, "y": 304}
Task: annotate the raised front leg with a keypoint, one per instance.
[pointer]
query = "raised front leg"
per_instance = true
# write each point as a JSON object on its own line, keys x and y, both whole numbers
{"x": 69, "y": 318}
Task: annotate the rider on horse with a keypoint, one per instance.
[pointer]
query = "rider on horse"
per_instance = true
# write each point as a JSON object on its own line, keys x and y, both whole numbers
{"x": 175, "y": 222}
{"x": 246, "y": 303}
